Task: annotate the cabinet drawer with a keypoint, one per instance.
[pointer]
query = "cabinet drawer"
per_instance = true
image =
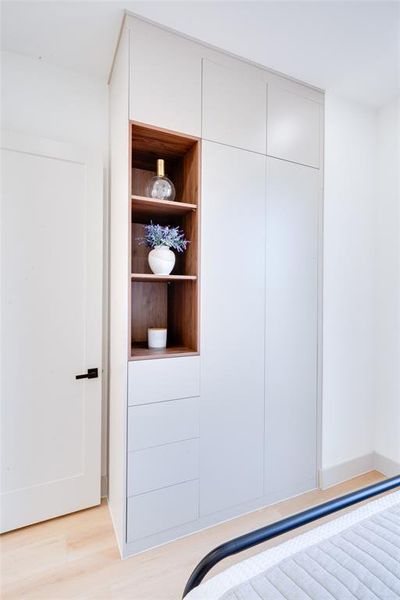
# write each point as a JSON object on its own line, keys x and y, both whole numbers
{"x": 163, "y": 379}
{"x": 163, "y": 509}
{"x": 162, "y": 423}
{"x": 161, "y": 466}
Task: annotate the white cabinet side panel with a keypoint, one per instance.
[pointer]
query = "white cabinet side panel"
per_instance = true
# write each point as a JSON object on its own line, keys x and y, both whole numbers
{"x": 233, "y": 323}
{"x": 119, "y": 252}
{"x": 291, "y": 352}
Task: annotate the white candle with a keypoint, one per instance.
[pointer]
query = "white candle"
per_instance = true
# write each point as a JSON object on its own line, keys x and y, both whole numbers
{"x": 157, "y": 337}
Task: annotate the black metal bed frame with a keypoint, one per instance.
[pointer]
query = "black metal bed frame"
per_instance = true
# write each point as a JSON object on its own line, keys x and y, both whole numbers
{"x": 259, "y": 536}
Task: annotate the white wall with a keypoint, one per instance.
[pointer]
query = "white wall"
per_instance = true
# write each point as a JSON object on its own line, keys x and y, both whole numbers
{"x": 349, "y": 281}
{"x": 42, "y": 100}
{"x": 387, "y": 410}
{"x": 361, "y": 365}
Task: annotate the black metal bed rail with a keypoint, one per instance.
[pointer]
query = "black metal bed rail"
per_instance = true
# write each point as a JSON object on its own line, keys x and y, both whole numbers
{"x": 268, "y": 532}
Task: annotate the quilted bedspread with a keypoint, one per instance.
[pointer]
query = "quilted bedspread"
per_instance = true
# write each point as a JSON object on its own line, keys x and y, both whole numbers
{"x": 361, "y": 562}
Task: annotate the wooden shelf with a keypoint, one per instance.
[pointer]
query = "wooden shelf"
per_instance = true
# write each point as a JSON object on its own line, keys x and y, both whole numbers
{"x": 170, "y": 301}
{"x": 142, "y": 206}
{"x": 152, "y": 277}
{"x": 140, "y": 351}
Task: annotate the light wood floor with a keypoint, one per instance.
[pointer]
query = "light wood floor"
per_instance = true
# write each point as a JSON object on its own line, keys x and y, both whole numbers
{"x": 75, "y": 557}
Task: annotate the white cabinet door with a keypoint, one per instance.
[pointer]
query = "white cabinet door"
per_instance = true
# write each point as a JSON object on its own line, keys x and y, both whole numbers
{"x": 233, "y": 319}
{"x": 165, "y": 87}
{"x": 52, "y": 203}
{"x": 293, "y": 127}
{"x": 291, "y": 352}
{"x": 234, "y": 107}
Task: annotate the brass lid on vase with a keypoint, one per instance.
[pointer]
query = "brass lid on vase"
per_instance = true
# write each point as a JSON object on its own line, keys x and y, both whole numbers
{"x": 160, "y": 168}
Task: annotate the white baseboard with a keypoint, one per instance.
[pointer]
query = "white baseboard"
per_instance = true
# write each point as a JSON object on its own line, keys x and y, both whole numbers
{"x": 386, "y": 466}
{"x": 104, "y": 486}
{"x": 345, "y": 470}
{"x": 355, "y": 467}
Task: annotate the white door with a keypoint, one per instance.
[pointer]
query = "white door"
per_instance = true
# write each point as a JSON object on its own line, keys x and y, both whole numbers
{"x": 233, "y": 327}
{"x": 293, "y": 195}
{"x": 51, "y": 318}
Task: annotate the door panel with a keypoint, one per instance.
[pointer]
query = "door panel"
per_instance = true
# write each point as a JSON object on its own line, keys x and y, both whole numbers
{"x": 293, "y": 127}
{"x": 234, "y": 107}
{"x": 165, "y": 80}
{"x": 233, "y": 320}
{"x": 51, "y": 330}
{"x": 291, "y": 351}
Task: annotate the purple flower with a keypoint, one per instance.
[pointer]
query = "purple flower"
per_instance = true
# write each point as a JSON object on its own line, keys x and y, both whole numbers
{"x": 159, "y": 235}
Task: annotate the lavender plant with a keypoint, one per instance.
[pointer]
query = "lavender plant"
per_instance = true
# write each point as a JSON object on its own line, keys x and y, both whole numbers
{"x": 158, "y": 235}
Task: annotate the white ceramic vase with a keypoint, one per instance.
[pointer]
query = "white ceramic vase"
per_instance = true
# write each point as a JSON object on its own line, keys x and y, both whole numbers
{"x": 161, "y": 260}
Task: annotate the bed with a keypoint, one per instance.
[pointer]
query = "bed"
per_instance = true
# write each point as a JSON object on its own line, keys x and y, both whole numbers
{"x": 355, "y": 556}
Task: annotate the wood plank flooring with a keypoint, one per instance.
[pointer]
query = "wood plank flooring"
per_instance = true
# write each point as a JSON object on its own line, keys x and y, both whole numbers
{"x": 76, "y": 558}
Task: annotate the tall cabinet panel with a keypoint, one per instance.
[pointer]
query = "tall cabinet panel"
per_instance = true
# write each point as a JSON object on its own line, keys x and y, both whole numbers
{"x": 165, "y": 80}
{"x": 118, "y": 283}
{"x": 291, "y": 353}
{"x": 232, "y": 332}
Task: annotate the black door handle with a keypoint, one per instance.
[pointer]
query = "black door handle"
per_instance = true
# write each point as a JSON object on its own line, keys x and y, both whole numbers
{"x": 91, "y": 374}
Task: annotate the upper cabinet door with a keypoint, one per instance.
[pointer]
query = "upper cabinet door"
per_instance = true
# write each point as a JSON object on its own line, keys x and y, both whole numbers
{"x": 293, "y": 127}
{"x": 234, "y": 107}
{"x": 165, "y": 83}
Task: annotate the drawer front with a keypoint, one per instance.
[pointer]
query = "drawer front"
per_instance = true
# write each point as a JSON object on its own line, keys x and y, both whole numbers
{"x": 163, "y": 509}
{"x": 162, "y": 466}
{"x": 163, "y": 423}
{"x": 160, "y": 380}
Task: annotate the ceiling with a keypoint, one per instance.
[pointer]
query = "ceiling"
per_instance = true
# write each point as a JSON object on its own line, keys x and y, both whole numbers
{"x": 348, "y": 47}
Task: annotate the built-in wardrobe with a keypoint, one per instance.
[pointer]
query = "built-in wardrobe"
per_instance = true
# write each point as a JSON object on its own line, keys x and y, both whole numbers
{"x": 224, "y": 420}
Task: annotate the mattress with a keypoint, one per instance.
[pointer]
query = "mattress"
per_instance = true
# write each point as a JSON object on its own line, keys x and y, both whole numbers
{"x": 355, "y": 556}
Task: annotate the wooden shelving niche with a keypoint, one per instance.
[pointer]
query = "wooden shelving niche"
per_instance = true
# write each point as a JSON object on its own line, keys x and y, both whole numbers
{"x": 170, "y": 301}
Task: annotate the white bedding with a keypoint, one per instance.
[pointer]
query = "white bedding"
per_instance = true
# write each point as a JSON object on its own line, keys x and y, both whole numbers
{"x": 214, "y": 588}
